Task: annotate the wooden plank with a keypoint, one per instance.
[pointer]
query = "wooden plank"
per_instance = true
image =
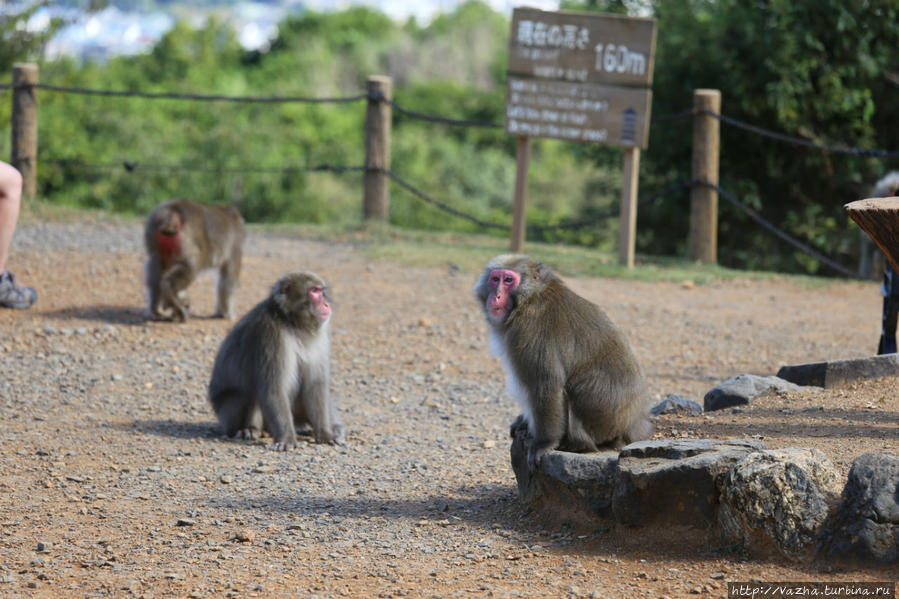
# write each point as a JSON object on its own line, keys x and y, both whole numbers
{"x": 879, "y": 218}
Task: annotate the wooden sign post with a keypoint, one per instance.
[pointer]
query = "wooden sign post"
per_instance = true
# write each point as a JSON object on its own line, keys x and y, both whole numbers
{"x": 519, "y": 223}
{"x": 582, "y": 77}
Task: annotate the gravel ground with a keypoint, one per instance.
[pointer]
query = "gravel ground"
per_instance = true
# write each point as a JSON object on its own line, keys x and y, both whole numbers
{"x": 115, "y": 482}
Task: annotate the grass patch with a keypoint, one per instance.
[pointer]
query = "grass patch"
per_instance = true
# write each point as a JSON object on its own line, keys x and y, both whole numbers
{"x": 469, "y": 252}
{"x": 35, "y": 211}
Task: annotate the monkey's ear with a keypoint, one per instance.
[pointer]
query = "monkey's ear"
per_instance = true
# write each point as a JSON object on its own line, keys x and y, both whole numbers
{"x": 281, "y": 291}
{"x": 541, "y": 272}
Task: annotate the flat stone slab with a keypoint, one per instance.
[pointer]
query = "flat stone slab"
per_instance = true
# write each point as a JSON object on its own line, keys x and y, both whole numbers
{"x": 839, "y": 372}
{"x": 674, "y": 481}
{"x": 741, "y": 389}
{"x": 649, "y": 482}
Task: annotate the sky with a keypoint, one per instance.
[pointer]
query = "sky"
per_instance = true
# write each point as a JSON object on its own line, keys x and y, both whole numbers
{"x": 424, "y": 10}
{"x": 110, "y": 31}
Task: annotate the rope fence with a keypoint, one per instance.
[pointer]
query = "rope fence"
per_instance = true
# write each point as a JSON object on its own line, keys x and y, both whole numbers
{"x": 378, "y": 97}
{"x": 133, "y": 166}
{"x": 180, "y": 96}
{"x": 771, "y": 228}
{"x": 798, "y": 141}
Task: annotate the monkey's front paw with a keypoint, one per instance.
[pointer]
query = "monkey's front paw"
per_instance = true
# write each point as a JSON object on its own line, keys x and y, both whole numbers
{"x": 283, "y": 445}
{"x": 339, "y": 435}
{"x": 161, "y": 315}
{"x": 330, "y": 437}
{"x": 329, "y": 440}
{"x": 250, "y": 434}
{"x": 535, "y": 456}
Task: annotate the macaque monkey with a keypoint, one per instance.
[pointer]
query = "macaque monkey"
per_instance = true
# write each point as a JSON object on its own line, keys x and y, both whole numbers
{"x": 570, "y": 369}
{"x": 182, "y": 239}
{"x": 272, "y": 371}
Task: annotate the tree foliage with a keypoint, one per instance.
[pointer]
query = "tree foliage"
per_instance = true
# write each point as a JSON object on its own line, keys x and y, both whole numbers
{"x": 17, "y": 43}
{"x": 818, "y": 70}
{"x": 824, "y": 71}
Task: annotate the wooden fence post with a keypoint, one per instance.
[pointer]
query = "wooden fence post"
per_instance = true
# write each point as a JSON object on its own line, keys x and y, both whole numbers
{"x": 704, "y": 199}
{"x": 376, "y": 194}
{"x": 627, "y": 227}
{"x": 519, "y": 201}
{"x": 24, "y": 125}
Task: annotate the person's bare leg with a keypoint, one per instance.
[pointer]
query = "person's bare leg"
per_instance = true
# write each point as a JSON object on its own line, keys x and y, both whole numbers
{"x": 10, "y": 202}
{"x": 12, "y": 295}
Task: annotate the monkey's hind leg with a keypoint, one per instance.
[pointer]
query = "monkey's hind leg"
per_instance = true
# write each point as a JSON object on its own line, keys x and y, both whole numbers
{"x": 153, "y": 277}
{"x": 229, "y": 275}
{"x": 225, "y": 288}
{"x": 239, "y": 416}
{"x": 639, "y": 430}
{"x": 577, "y": 439}
{"x": 173, "y": 287}
{"x": 315, "y": 402}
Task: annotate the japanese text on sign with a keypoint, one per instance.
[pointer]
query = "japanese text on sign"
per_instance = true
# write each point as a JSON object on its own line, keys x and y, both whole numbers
{"x": 580, "y": 76}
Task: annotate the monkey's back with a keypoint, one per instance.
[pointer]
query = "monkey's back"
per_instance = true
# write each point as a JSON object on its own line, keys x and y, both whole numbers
{"x": 208, "y": 223}
{"x": 236, "y": 369}
{"x": 603, "y": 383}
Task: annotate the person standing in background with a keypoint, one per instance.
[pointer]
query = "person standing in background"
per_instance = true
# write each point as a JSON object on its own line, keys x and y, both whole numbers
{"x": 12, "y": 294}
{"x": 886, "y": 188}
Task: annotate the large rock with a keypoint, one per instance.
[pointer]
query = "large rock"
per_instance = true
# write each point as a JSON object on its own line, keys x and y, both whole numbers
{"x": 676, "y": 404}
{"x": 739, "y": 390}
{"x": 574, "y": 485}
{"x": 674, "y": 482}
{"x": 867, "y": 523}
{"x": 779, "y": 501}
{"x": 839, "y": 372}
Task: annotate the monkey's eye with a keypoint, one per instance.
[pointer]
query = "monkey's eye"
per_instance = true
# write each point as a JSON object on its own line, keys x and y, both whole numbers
{"x": 494, "y": 279}
{"x": 508, "y": 280}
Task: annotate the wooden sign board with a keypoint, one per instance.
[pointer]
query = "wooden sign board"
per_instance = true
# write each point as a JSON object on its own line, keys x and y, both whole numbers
{"x": 580, "y": 77}
{"x": 582, "y": 47}
{"x": 580, "y": 112}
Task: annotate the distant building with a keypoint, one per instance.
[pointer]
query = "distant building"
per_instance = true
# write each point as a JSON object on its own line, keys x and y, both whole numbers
{"x": 97, "y": 36}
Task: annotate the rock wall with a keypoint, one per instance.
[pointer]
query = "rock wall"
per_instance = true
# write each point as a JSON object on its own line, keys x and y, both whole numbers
{"x": 784, "y": 502}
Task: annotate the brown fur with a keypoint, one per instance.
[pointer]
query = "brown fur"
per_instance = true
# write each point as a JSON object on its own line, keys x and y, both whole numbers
{"x": 183, "y": 238}
{"x": 272, "y": 371}
{"x": 582, "y": 387}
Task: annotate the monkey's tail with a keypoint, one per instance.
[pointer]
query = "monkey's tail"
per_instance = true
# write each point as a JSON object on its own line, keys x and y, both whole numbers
{"x": 640, "y": 430}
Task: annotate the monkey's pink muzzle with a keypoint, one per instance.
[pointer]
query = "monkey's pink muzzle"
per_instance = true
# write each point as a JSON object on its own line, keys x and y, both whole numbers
{"x": 502, "y": 282}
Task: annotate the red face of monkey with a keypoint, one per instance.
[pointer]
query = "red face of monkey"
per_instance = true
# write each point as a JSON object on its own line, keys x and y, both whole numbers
{"x": 501, "y": 283}
{"x": 321, "y": 305}
{"x": 168, "y": 239}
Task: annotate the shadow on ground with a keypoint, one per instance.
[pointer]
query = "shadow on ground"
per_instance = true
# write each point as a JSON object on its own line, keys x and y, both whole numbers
{"x": 120, "y": 315}
{"x": 173, "y": 429}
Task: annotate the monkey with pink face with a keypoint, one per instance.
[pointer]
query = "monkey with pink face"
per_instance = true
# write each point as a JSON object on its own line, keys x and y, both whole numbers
{"x": 572, "y": 371}
{"x": 272, "y": 371}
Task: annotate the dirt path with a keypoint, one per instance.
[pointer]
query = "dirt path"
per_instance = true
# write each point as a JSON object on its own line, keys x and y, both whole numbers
{"x": 115, "y": 483}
